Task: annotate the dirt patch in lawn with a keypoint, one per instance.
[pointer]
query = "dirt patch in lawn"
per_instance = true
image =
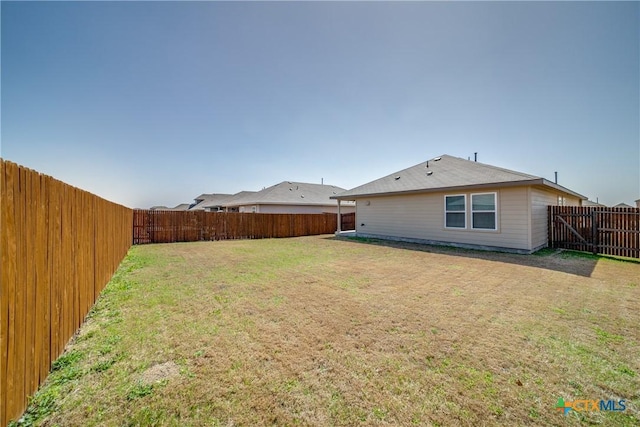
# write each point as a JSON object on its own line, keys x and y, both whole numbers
{"x": 159, "y": 373}
{"x": 319, "y": 331}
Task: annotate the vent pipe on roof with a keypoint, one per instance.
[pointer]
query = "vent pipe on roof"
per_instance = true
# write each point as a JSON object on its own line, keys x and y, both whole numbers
{"x": 475, "y": 156}
{"x": 556, "y": 172}
{"x": 321, "y": 181}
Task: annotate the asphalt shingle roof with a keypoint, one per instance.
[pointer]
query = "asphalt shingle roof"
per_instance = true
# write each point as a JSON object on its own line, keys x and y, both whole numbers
{"x": 445, "y": 172}
{"x": 204, "y": 200}
{"x": 181, "y": 207}
{"x": 290, "y": 193}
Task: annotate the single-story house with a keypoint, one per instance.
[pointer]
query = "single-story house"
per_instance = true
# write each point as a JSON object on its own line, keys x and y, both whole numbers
{"x": 593, "y": 204}
{"x": 222, "y": 207}
{"x": 212, "y": 201}
{"x": 290, "y": 197}
{"x": 180, "y": 207}
{"x": 622, "y": 205}
{"x": 453, "y": 201}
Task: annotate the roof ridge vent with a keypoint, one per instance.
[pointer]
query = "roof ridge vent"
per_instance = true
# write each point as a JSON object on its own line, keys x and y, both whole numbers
{"x": 397, "y": 177}
{"x": 437, "y": 159}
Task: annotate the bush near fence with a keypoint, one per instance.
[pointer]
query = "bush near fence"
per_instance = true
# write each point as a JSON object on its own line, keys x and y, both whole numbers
{"x": 59, "y": 247}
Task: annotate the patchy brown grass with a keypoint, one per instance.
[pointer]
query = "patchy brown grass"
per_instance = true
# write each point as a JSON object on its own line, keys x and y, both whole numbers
{"x": 319, "y": 331}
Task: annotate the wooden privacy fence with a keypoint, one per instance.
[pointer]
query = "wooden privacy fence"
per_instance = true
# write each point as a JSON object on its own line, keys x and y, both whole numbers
{"x": 608, "y": 231}
{"x": 190, "y": 226}
{"x": 348, "y": 221}
{"x": 59, "y": 247}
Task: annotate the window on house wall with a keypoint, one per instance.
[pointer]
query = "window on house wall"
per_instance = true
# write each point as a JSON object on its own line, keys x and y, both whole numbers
{"x": 254, "y": 209}
{"x": 455, "y": 211}
{"x": 483, "y": 211}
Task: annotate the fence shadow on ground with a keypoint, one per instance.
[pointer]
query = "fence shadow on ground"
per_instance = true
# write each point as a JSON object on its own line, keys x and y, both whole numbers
{"x": 570, "y": 262}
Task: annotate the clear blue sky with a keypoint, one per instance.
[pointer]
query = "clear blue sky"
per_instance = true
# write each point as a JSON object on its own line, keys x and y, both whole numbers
{"x": 150, "y": 103}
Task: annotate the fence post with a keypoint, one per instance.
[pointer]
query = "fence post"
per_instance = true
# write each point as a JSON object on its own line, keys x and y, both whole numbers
{"x": 594, "y": 231}
{"x": 551, "y": 227}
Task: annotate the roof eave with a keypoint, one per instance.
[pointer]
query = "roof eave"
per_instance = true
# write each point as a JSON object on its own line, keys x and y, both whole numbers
{"x": 537, "y": 181}
{"x": 561, "y": 188}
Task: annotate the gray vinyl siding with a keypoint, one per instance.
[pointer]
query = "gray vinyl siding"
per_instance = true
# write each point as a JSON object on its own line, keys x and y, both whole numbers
{"x": 421, "y": 216}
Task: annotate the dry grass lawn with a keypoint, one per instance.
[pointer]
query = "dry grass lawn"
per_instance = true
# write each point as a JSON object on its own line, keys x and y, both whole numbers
{"x": 325, "y": 331}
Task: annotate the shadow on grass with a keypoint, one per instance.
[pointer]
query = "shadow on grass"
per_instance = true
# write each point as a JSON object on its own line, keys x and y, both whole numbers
{"x": 570, "y": 262}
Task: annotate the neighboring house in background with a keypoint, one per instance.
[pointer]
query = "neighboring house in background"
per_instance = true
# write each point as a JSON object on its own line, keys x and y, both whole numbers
{"x": 232, "y": 199}
{"x": 210, "y": 200}
{"x": 638, "y": 203}
{"x": 593, "y": 204}
{"x": 180, "y": 207}
{"x": 290, "y": 197}
{"x": 622, "y": 205}
{"x": 453, "y": 201}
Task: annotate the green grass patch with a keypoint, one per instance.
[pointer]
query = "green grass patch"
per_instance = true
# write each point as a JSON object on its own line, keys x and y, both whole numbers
{"x": 140, "y": 390}
{"x": 324, "y": 331}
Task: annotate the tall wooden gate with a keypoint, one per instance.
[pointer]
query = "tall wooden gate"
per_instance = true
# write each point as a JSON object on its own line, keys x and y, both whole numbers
{"x": 609, "y": 231}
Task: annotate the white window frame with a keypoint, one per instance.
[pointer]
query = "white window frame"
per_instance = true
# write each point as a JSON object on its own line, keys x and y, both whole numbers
{"x": 464, "y": 212}
{"x": 494, "y": 211}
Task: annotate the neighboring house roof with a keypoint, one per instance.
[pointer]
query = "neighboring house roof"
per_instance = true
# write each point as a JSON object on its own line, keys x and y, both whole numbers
{"x": 289, "y": 193}
{"x": 591, "y": 203}
{"x": 181, "y": 207}
{"x": 238, "y": 196}
{"x": 622, "y": 205}
{"x": 214, "y": 199}
{"x": 445, "y": 173}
